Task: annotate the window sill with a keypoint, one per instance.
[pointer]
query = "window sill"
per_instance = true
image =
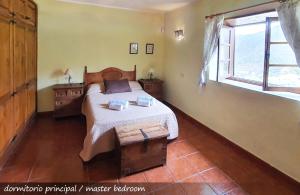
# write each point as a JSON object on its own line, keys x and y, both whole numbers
{"x": 292, "y": 96}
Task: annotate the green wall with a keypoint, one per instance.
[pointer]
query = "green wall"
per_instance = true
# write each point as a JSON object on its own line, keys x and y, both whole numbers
{"x": 74, "y": 35}
{"x": 263, "y": 124}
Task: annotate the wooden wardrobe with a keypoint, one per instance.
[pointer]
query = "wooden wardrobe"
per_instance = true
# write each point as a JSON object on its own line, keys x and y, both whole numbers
{"x": 18, "y": 69}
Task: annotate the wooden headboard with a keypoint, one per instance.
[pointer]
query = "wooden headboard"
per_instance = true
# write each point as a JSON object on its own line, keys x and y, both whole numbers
{"x": 108, "y": 74}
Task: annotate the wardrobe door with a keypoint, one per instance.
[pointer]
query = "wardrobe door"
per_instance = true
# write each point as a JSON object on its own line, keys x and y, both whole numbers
{"x": 31, "y": 106}
{"x": 20, "y": 109}
{"x": 5, "y": 7}
{"x": 18, "y": 7}
{"x": 31, "y": 11}
{"x": 5, "y": 4}
{"x": 6, "y": 82}
{"x": 19, "y": 56}
{"x": 6, "y": 129}
{"x": 30, "y": 54}
{"x": 5, "y": 58}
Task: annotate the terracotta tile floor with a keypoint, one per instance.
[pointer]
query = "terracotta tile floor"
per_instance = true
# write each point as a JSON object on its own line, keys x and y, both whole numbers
{"x": 198, "y": 162}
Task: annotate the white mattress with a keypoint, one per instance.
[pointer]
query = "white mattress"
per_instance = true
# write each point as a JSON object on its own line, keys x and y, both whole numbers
{"x": 101, "y": 121}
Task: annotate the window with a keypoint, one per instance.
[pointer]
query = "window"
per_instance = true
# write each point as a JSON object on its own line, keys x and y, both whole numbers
{"x": 254, "y": 50}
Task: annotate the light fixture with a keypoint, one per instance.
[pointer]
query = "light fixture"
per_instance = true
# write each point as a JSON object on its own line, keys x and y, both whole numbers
{"x": 68, "y": 75}
{"x": 179, "y": 34}
{"x": 151, "y": 73}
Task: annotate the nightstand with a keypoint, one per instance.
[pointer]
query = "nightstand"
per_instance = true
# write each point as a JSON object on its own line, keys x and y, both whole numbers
{"x": 68, "y": 99}
{"x": 154, "y": 87}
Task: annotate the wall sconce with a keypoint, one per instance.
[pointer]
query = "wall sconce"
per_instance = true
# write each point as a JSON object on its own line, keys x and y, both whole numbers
{"x": 179, "y": 34}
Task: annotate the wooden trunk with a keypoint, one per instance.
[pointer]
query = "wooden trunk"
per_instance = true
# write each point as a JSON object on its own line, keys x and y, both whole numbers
{"x": 140, "y": 147}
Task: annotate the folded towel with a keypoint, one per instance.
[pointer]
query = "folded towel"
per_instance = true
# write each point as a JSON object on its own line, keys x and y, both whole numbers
{"x": 145, "y": 101}
{"x": 125, "y": 103}
{"x": 145, "y": 98}
{"x": 118, "y": 104}
{"x": 118, "y": 107}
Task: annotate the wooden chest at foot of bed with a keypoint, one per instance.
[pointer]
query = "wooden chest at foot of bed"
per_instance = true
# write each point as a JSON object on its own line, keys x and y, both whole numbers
{"x": 140, "y": 147}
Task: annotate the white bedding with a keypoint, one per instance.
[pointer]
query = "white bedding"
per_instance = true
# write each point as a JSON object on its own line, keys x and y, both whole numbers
{"x": 101, "y": 120}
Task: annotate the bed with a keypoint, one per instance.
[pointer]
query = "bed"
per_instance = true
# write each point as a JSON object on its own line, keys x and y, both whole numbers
{"x": 101, "y": 121}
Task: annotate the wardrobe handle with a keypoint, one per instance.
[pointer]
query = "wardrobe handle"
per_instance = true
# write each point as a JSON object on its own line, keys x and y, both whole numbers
{"x": 27, "y": 17}
{"x": 13, "y": 21}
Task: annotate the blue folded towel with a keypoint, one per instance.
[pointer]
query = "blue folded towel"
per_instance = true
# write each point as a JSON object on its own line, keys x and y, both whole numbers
{"x": 118, "y": 104}
{"x": 118, "y": 107}
{"x": 145, "y": 101}
{"x": 125, "y": 103}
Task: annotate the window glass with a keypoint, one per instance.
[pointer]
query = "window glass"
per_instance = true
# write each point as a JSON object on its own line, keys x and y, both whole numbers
{"x": 284, "y": 77}
{"x": 225, "y": 36}
{"x": 276, "y": 32}
{"x": 282, "y": 54}
{"x": 224, "y": 69}
{"x": 224, "y": 53}
{"x": 249, "y": 52}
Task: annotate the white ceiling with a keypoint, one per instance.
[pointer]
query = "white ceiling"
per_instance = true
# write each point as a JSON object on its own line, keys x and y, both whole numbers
{"x": 142, "y": 5}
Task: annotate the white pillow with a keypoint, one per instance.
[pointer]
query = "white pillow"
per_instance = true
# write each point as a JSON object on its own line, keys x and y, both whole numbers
{"x": 95, "y": 88}
{"x": 134, "y": 85}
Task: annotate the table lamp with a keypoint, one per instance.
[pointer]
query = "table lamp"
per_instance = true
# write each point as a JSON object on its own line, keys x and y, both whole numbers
{"x": 151, "y": 73}
{"x": 68, "y": 75}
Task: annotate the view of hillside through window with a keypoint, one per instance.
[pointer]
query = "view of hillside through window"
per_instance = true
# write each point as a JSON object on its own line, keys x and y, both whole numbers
{"x": 242, "y": 48}
{"x": 249, "y": 52}
{"x": 282, "y": 54}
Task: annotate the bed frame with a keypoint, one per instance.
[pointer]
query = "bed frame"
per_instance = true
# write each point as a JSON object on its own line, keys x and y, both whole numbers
{"x": 108, "y": 74}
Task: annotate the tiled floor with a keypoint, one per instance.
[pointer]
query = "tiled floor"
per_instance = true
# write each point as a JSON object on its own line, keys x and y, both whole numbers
{"x": 198, "y": 162}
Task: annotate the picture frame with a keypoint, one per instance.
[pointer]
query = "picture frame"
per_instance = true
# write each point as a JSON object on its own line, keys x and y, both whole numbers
{"x": 149, "y": 48}
{"x": 133, "y": 48}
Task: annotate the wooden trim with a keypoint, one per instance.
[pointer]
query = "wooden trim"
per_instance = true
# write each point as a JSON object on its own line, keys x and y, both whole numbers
{"x": 15, "y": 142}
{"x": 36, "y": 56}
{"x": 232, "y": 52}
{"x": 267, "y": 53}
{"x": 245, "y": 81}
{"x": 251, "y": 14}
{"x": 269, "y": 168}
{"x": 282, "y": 65}
{"x": 278, "y": 43}
{"x": 218, "y": 60}
{"x": 248, "y": 24}
{"x": 45, "y": 114}
{"x": 241, "y": 9}
{"x": 285, "y": 89}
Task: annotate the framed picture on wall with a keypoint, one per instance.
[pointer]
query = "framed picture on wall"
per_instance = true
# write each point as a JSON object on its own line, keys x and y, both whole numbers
{"x": 149, "y": 48}
{"x": 134, "y": 48}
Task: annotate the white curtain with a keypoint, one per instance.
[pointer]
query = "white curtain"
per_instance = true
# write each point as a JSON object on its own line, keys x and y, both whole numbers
{"x": 289, "y": 17}
{"x": 212, "y": 33}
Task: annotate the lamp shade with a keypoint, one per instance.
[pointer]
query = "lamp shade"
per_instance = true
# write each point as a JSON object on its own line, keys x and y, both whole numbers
{"x": 151, "y": 71}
